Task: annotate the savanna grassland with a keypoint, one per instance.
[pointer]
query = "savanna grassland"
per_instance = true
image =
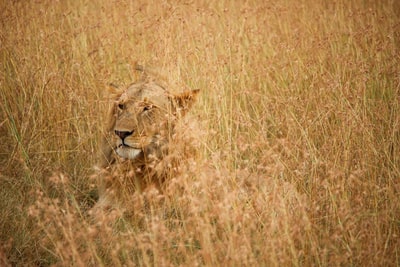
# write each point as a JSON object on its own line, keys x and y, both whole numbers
{"x": 300, "y": 132}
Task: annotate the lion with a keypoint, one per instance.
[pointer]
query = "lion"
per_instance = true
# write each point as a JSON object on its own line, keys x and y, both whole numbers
{"x": 142, "y": 145}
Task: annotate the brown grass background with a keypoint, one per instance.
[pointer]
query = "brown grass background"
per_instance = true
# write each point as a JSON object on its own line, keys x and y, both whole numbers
{"x": 300, "y": 118}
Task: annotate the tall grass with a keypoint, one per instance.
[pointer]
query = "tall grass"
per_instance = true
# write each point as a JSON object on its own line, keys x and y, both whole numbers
{"x": 300, "y": 107}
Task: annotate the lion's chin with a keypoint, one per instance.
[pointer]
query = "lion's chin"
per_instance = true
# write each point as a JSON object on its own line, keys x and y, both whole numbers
{"x": 128, "y": 152}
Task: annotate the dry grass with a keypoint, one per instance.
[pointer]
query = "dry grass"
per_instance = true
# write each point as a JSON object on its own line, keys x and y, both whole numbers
{"x": 300, "y": 104}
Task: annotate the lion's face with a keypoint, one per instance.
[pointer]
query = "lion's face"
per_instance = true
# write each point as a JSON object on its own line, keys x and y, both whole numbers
{"x": 144, "y": 116}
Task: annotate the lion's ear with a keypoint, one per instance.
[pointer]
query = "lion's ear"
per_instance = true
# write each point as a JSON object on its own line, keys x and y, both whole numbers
{"x": 113, "y": 90}
{"x": 184, "y": 101}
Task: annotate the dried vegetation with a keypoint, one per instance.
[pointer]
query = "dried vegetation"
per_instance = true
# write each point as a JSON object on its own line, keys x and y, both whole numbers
{"x": 300, "y": 143}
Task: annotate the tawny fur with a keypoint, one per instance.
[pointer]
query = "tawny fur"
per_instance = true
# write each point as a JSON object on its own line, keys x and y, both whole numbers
{"x": 160, "y": 133}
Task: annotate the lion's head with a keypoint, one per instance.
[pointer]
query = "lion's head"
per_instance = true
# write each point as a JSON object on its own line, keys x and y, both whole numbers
{"x": 142, "y": 120}
{"x": 146, "y": 141}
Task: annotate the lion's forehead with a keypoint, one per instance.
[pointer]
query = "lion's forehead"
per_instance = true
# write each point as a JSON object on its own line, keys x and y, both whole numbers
{"x": 141, "y": 92}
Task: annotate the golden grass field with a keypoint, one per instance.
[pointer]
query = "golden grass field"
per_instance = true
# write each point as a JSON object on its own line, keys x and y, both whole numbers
{"x": 300, "y": 115}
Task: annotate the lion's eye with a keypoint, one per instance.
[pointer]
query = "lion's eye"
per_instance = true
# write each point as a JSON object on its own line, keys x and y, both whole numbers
{"x": 121, "y": 106}
{"x": 147, "y": 107}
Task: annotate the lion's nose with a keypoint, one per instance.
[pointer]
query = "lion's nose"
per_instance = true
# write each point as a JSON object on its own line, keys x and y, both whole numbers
{"x": 123, "y": 134}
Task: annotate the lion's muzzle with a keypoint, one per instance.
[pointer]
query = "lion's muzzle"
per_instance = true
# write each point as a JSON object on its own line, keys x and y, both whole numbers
{"x": 123, "y": 149}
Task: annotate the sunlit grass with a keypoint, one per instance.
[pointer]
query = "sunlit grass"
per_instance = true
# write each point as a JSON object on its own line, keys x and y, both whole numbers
{"x": 299, "y": 104}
